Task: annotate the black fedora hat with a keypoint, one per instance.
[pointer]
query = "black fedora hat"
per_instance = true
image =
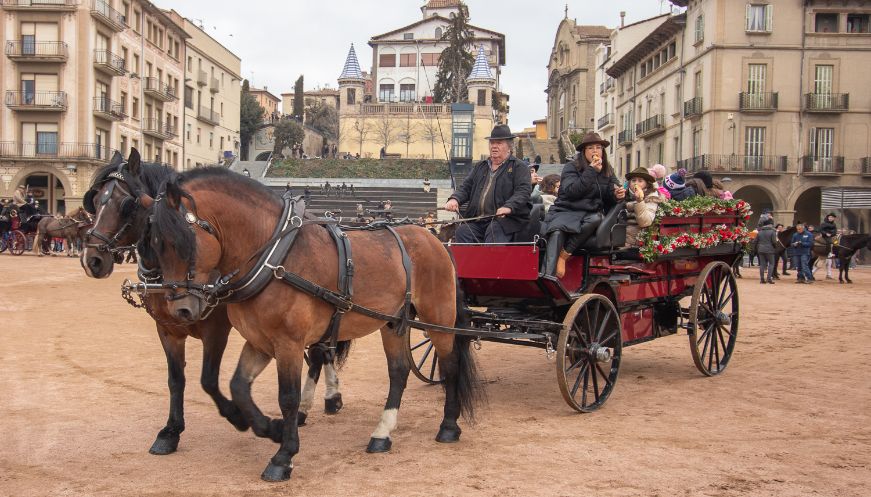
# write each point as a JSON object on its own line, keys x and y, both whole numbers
{"x": 501, "y": 132}
{"x": 590, "y": 139}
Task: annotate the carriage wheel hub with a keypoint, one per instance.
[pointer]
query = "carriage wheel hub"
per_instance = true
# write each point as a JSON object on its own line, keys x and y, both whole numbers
{"x": 723, "y": 318}
{"x": 600, "y": 353}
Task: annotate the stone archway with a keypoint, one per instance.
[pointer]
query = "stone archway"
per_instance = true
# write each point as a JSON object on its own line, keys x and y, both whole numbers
{"x": 70, "y": 190}
{"x": 808, "y": 206}
{"x": 759, "y": 198}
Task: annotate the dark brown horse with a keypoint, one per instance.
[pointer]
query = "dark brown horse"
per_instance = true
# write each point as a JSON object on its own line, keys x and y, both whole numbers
{"x": 844, "y": 251}
{"x": 228, "y": 217}
{"x": 67, "y": 227}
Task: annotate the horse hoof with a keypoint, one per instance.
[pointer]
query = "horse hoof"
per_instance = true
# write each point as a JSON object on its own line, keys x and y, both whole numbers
{"x": 300, "y": 418}
{"x": 448, "y": 435}
{"x": 163, "y": 446}
{"x": 274, "y": 472}
{"x": 333, "y": 405}
{"x": 377, "y": 445}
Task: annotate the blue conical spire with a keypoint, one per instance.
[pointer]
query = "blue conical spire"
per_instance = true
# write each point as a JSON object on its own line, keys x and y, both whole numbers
{"x": 481, "y": 69}
{"x": 352, "y": 66}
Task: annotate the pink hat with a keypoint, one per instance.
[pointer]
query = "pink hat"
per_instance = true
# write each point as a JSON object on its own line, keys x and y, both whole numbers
{"x": 658, "y": 171}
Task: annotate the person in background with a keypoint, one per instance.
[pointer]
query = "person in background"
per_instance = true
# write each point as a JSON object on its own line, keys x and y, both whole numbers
{"x": 535, "y": 179}
{"x": 766, "y": 248}
{"x": 659, "y": 173}
{"x": 549, "y": 189}
{"x": 676, "y": 186}
{"x": 783, "y": 255}
{"x": 801, "y": 243}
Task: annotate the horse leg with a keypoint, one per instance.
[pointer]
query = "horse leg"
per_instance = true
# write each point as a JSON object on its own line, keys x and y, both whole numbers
{"x": 214, "y": 332}
{"x": 845, "y": 265}
{"x": 289, "y": 364}
{"x": 251, "y": 364}
{"x": 332, "y": 396}
{"x": 397, "y": 368}
{"x": 317, "y": 356}
{"x": 168, "y": 437}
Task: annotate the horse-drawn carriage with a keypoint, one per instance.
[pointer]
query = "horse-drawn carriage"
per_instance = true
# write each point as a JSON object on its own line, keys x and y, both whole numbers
{"x": 609, "y": 298}
{"x": 21, "y": 239}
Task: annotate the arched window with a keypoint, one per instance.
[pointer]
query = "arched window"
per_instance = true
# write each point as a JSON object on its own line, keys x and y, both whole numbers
{"x": 438, "y": 33}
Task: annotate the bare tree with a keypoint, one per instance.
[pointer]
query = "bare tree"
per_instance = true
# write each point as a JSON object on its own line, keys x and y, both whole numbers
{"x": 386, "y": 130}
{"x": 361, "y": 129}
{"x": 408, "y": 132}
{"x": 431, "y": 132}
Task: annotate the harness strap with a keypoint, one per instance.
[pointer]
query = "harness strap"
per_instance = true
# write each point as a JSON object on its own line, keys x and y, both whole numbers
{"x": 405, "y": 312}
{"x": 345, "y": 278}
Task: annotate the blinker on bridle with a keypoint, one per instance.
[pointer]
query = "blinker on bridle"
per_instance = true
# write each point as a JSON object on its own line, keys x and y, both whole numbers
{"x": 128, "y": 206}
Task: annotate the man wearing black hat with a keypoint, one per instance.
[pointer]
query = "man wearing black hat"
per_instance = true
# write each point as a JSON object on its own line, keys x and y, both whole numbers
{"x": 499, "y": 186}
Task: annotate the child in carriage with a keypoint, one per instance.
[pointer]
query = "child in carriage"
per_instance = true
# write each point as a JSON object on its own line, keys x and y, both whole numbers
{"x": 641, "y": 208}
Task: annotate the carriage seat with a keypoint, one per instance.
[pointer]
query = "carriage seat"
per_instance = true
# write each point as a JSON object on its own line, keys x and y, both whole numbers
{"x": 533, "y": 227}
{"x": 610, "y": 233}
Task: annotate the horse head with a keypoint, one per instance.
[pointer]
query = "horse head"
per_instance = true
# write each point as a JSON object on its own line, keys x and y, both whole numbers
{"x": 114, "y": 200}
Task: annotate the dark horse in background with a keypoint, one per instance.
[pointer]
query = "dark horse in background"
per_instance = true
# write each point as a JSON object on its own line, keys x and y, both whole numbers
{"x": 122, "y": 222}
{"x": 210, "y": 221}
{"x": 68, "y": 227}
{"x": 844, "y": 251}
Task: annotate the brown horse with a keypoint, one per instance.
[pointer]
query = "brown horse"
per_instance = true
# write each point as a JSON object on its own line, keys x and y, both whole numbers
{"x": 66, "y": 227}
{"x": 228, "y": 217}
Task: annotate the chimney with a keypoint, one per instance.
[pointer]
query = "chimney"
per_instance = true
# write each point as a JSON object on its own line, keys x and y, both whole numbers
{"x": 622, "y": 18}
{"x": 265, "y": 88}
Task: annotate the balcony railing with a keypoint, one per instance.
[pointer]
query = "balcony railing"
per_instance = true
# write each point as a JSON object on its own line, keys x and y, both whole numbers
{"x": 692, "y": 107}
{"x": 109, "y": 62}
{"x": 214, "y": 86}
{"x": 606, "y": 85}
{"x": 36, "y": 51}
{"x": 101, "y": 10}
{"x": 386, "y": 108}
{"x": 44, "y": 5}
{"x": 209, "y": 116}
{"x": 650, "y": 126}
{"x": 736, "y": 164}
{"x": 158, "y": 129}
{"x": 827, "y": 102}
{"x": 865, "y": 164}
{"x": 822, "y": 165}
{"x": 625, "y": 137}
{"x": 159, "y": 90}
{"x": 202, "y": 78}
{"x": 53, "y": 151}
{"x": 109, "y": 108}
{"x": 605, "y": 121}
{"x": 757, "y": 102}
{"x": 37, "y": 100}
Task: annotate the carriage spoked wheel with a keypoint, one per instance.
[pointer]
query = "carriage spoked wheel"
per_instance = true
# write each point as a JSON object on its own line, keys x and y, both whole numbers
{"x": 17, "y": 243}
{"x": 422, "y": 356}
{"x": 713, "y": 315}
{"x": 589, "y": 349}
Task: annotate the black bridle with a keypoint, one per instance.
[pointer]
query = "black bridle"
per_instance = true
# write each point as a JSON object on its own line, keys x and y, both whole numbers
{"x": 129, "y": 205}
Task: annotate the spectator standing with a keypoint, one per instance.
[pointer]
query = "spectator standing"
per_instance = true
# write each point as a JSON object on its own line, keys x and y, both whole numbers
{"x": 801, "y": 243}
{"x": 779, "y": 229}
{"x": 766, "y": 248}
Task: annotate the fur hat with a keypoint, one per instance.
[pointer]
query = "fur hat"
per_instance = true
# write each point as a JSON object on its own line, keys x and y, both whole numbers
{"x": 658, "y": 171}
{"x": 676, "y": 181}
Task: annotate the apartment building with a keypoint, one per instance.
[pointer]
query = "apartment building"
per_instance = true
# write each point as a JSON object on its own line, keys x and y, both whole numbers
{"x": 267, "y": 100}
{"x": 81, "y": 80}
{"x": 212, "y": 92}
{"x": 766, "y": 94}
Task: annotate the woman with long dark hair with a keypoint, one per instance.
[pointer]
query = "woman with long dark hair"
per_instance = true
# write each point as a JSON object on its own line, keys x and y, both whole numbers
{"x": 588, "y": 189}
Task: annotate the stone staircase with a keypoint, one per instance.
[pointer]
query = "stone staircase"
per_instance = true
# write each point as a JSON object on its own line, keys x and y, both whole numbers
{"x": 546, "y": 149}
{"x": 255, "y": 168}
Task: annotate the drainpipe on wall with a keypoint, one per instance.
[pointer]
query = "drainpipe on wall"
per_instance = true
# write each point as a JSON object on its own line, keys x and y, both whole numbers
{"x": 141, "y": 85}
{"x": 801, "y": 87}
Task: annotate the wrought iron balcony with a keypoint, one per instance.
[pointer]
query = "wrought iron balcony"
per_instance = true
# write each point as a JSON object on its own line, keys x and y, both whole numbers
{"x": 36, "y": 51}
{"x": 208, "y": 115}
{"x": 605, "y": 121}
{"x": 202, "y": 78}
{"x": 822, "y": 165}
{"x": 827, "y": 102}
{"x": 692, "y": 107}
{"x": 51, "y": 150}
{"x": 110, "y": 63}
{"x": 757, "y": 102}
{"x": 737, "y": 164}
{"x": 866, "y": 165}
{"x": 49, "y": 101}
{"x": 101, "y": 11}
{"x": 40, "y": 5}
{"x": 158, "y": 129}
{"x": 109, "y": 109}
{"x": 650, "y": 126}
{"x": 626, "y": 137}
{"x": 606, "y": 85}
{"x": 214, "y": 86}
{"x": 159, "y": 90}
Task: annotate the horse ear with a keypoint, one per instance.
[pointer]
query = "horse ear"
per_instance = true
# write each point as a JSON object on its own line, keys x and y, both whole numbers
{"x": 173, "y": 193}
{"x": 133, "y": 162}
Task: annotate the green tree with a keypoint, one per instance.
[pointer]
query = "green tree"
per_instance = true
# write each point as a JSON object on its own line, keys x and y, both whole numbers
{"x": 456, "y": 60}
{"x": 325, "y": 119}
{"x": 298, "y": 99}
{"x": 250, "y": 117}
{"x": 287, "y": 134}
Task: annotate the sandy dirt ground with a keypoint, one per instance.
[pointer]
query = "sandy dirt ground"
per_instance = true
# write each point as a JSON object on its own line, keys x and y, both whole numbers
{"x": 83, "y": 389}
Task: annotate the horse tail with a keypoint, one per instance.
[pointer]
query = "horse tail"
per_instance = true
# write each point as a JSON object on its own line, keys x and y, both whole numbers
{"x": 342, "y": 351}
{"x": 470, "y": 387}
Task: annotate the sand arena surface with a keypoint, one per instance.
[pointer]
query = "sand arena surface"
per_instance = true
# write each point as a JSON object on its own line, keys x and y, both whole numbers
{"x": 83, "y": 389}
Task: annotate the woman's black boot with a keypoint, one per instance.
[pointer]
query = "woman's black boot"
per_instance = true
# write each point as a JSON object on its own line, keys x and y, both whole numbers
{"x": 555, "y": 242}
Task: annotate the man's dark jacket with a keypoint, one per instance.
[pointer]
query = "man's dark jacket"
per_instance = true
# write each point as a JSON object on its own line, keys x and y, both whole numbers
{"x": 828, "y": 228}
{"x": 512, "y": 189}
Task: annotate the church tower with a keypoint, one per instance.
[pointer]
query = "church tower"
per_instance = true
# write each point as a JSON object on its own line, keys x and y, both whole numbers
{"x": 481, "y": 84}
{"x": 351, "y": 85}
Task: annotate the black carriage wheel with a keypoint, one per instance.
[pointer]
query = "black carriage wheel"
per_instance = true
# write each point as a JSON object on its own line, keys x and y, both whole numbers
{"x": 589, "y": 349}
{"x": 421, "y": 356}
{"x": 17, "y": 243}
{"x": 714, "y": 318}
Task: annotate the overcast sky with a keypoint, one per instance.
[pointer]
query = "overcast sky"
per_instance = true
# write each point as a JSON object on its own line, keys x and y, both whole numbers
{"x": 278, "y": 40}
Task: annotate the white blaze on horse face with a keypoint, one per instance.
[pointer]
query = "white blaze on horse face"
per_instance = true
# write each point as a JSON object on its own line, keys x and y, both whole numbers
{"x": 308, "y": 394}
{"x": 332, "y": 380}
{"x": 387, "y": 424}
